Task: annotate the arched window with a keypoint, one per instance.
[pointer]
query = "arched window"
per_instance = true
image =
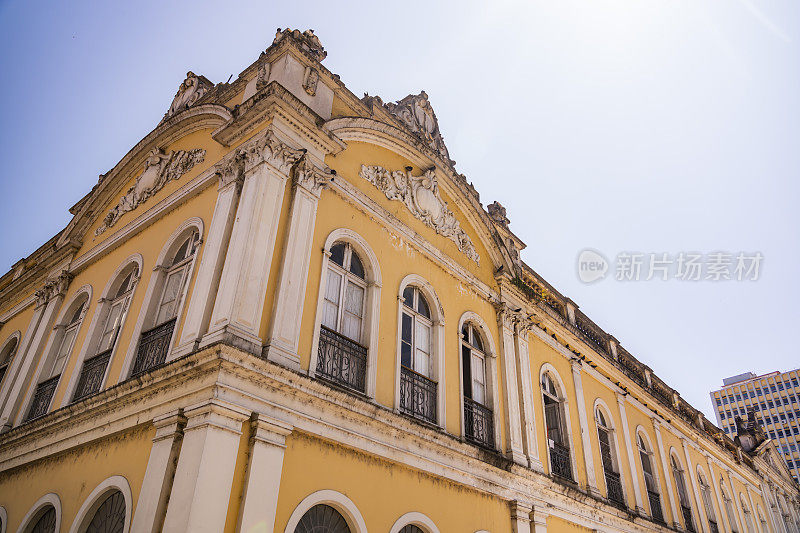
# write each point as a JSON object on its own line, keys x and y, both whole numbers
{"x": 705, "y": 492}
{"x": 322, "y": 519}
{"x": 109, "y": 516}
{"x": 342, "y": 356}
{"x": 748, "y": 517}
{"x": 478, "y": 416}
{"x": 646, "y": 458}
{"x": 608, "y": 454}
{"x": 729, "y": 508}
{"x": 762, "y": 519}
{"x": 411, "y": 528}
{"x": 683, "y": 498}
{"x": 6, "y": 355}
{"x": 56, "y": 358}
{"x": 418, "y": 392}
{"x": 170, "y": 289}
{"x": 560, "y": 460}
{"x": 44, "y": 522}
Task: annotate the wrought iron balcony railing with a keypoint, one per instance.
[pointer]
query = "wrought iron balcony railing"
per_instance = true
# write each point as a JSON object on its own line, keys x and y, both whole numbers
{"x": 687, "y": 518}
{"x": 341, "y": 360}
{"x": 92, "y": 373}
{"x": 655, "y": 506}
{"x": 614, "y": 488}
{"x": 153, "y": 347}
{"x": 560, "y": 461}
{"x": 42, "y": 398}
{"x": 478, "y": 424}
{"x": 417, "y": 395}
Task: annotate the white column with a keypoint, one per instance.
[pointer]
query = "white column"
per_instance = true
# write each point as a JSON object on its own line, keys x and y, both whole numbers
{"x": 525, "y": 380}
{"x": 521, "y": 517}
{"x": 723, "y": 509}
{"x": 152, "y": 503}
{"x": 284, "y": 337}
{"x": 18, "y": 362}
{"x": 539, "y": 520}
{"x": 198, "y": 312}
{"x": 511, "y": 414}
{"x": 238, "y": 309}
{"x": 630, "y": 446}
{"x": 262, "y": 484}
{"x": 200, "y": 493}
{"x": 53, "y": 294}
{"x": 584, "y": 424}
{"x": 700, "y": 514}
{"x": 666, "y": 469}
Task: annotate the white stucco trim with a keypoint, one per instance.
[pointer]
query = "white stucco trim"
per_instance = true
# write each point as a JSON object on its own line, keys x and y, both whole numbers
{"x": 417, "y": 519}
{"x": 90, "y": 341}
{"x": 16, "y": 335}
{"x": 547, "y": 368}
{"x": 338, "y": 501}
{"x": 50, "y": 499}
{"x": 372, "y": 300}
{"x": 437, "y": 342}
{"x": 97, "y": 497}
{"x": 651, "y": 451}
{"x": 3, "y": 520}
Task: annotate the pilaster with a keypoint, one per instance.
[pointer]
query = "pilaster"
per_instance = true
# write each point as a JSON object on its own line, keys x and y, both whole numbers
{"x": 521, "y": 517}
{"x": 524, "y": 379}
{"x": 630, "y": 446}
{"x": 583, "y": 421}
{"x": 539, "y": 520}
{"x": 513, "y": 451}
{"x": 666, "y": 469}
{"x": 699, "y": 513}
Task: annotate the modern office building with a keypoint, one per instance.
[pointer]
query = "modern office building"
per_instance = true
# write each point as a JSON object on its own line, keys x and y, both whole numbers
{"x": 285, "y": 311}
{"x": 774, "y": 398}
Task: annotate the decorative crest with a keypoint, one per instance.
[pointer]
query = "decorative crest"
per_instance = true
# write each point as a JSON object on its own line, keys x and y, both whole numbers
{"x": 498, "y": 213}
{"x": 159, "y": 169}
{"x": 416, "y": 112}
{"x": 308, "y": 42}
{"x": 189, "y": 92}
{"x": 421, "y": 196}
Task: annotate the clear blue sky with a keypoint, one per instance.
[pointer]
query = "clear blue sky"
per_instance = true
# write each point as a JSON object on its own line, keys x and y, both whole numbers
{"x": 652, "y": 126}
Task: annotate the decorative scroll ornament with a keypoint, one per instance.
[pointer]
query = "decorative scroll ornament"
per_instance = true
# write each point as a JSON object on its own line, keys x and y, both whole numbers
{"x": 189, "y": 92}
{"x": 498, "y": 213}
{"x": 310, "y": 81}
{"x": 159, "y": 169}
{"x": 421, "y": 196}
{"x": 417, "y": 114}
{"x": 309, "y": 176}
{"x": 54, "y": 287}
{"x": 308, "y": 42}
{"x": 266, "y": 148}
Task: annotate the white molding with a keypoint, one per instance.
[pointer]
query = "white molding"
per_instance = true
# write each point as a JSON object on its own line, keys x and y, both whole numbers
{"x": 601, "y": 405}
{"x": 17, "y": 335}
{"x": 17, "y": 309}
{"x": 50, "y": 499}
{"x": 416, "y": 519}
{"x": 372, "y": 301}
{"x": 96, "y": 498}
{"x": 651, "y": 451}
{"x": 334, "y": 499}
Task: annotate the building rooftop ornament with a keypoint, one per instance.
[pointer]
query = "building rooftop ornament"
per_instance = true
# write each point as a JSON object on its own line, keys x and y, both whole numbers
{"x": 498, "y": 213}
{"x": 416, "y": 112}
{"x": 749, "y": 433}
{"x": 189, "y": 92}
{"x": 308, "y": 42}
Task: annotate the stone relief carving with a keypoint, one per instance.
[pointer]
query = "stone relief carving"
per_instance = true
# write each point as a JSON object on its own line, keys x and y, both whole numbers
{"x": 266, "y": 148}
{"x": 421, "y": 196}
{"x": 159, "y": 169}
{"x": 309, "y": 176}
{"x": 310, "y": 81}
{"x": 498, "y": 213}
{"x": 416, "y": 112}
{"x": 308, "y": 42}
{"x": 54, "y": 287}
{"x": 189, "y": 92}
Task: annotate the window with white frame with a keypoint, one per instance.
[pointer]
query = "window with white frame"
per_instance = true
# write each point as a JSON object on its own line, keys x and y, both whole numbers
{"x": 478, "y": 416}
{"x": 680, "y": 482}
{"x": 418, "y": 392}
{"x": 558, "y": 443}
{"x": 345, "y": 289}
{"x": 65, "y": 345}
{"x": 748, "y": 518}
{"x": 653, "y": 496}
{"x": 6, "y": 356}
{"x": 705, "y": 493}
{"x": 175, "y": 280}
{"x": 342, "y": 356}
{"x": 608, "y": 455}
{"x": 117, "y": 305}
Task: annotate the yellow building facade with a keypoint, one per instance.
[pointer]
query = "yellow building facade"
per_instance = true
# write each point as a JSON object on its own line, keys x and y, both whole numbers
{"x": 284, "y": 310}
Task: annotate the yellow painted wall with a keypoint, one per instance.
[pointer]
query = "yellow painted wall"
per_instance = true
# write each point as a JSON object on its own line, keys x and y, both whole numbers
{"x": 123, "y": 454}
{"x": 381, "y": 490}
{"x": 559, "y": 525}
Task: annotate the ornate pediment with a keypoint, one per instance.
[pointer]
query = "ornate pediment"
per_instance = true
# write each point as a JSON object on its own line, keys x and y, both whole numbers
{"x": 421, "y": 196}
{"x": 308, "y": 42}
{"x": 159, "y": 169}
{"x": 189, "y": 92}
{"x": 416, "y": 112}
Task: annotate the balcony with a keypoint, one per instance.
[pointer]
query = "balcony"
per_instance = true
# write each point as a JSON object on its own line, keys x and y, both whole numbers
{"x": 42, "y": 398}
{"x": 478, "y": 424}
{"x": 341, "y": 360}
{"x": 560, "y": 462}
{"x": 153, "y": 348}
{"x": 687, "y": 518}
{"x": 614, "y": 488}
{"x": 655, "y": 506}
{"x": 417, "y": 395}
{"x": 92, "y": 373}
